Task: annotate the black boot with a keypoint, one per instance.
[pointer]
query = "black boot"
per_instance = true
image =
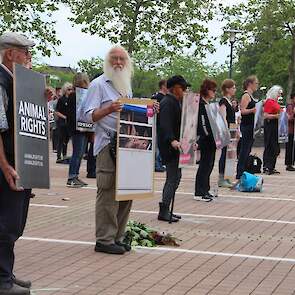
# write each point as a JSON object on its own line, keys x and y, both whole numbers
{"x": 164, "y": 213}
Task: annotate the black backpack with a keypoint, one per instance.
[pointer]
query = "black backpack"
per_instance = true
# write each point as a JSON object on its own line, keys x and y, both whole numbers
{"x": 254, "y": 164}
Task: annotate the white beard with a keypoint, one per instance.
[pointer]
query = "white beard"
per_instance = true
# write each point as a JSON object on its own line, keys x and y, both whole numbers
{"x": 121, "y": 79}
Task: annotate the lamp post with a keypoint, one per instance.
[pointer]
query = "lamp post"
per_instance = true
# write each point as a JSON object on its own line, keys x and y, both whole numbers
{"x": 232, "y": 40}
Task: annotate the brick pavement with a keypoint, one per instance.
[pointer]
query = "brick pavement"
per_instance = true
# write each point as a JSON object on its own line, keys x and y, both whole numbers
{"x": 238, "y": 244}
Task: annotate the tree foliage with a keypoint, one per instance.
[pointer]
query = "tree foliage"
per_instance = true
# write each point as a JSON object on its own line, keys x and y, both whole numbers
{"x": 169, "y": 25}
{"x": 28, "y": 17}
{"x": 54, "y": 77}
{"x": 92, "y": 66}
{"x": 267, "y": 44}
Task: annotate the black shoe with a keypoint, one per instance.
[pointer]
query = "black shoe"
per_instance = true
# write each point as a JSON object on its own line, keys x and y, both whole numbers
{"x": 176, "y": 216}
{"x": 110, "y": 249}
{"x": 91, "y": 176}
{"x": 82, "y": 182}
{"x": 276, "y": 171}
{"x": 59, "y": 161}
{"x": 15, "y": 290}
{"x": 212, "y": 196}
{"x": 160, "y": 169}
{"x": 204, "y": 198}
{"x": 164, "y": 214}
{"x": 124, "y": 245}
{"x": 74, "y": 183}
{"x": 24, "y": 284}
{"x": 290, "y": 168}
{"x": 267, "y": 171}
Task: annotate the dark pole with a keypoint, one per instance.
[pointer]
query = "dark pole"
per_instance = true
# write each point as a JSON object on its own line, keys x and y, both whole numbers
{"x": 231, "y": 59}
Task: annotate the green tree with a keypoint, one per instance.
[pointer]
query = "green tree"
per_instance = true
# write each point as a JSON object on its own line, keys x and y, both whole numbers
{"x": 190, "y": 67}
{"x": 92, "y": 66}
{"x": 169, "y": 25}
{"x": 28, "y": 16}
{"x": 54, "y": 77}
{"x": 268, "y": 26}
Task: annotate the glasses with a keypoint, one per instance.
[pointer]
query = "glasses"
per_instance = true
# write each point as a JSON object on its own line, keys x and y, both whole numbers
{"x": 115, "y": 58}
{"x": 214, "y": 90}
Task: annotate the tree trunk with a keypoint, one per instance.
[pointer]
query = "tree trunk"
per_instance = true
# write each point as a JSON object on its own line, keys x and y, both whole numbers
{"x": 132, "y": 35}
{"x": 291, "y": 70}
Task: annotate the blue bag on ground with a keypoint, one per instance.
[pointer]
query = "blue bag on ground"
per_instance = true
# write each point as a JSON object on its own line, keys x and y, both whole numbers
{"x": 250, "y": 183}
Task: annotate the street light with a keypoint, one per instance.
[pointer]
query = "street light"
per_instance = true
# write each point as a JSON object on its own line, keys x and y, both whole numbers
{"x": 232, "y": 40}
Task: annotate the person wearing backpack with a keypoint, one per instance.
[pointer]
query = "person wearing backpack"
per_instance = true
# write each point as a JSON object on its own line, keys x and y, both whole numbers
{"x": 272, "y": 111}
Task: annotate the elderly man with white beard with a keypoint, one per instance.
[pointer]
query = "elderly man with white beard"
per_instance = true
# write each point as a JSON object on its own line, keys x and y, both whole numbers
{"x": 102, "y": 107}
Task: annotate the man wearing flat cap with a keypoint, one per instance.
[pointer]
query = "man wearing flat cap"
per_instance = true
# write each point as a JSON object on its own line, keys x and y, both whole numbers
{"x": 14, "y": 202}
{"x": 169, "y": 145}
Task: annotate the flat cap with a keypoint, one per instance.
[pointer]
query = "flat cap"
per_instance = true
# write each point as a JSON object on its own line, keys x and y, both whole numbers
{"x": 12, "y": 39}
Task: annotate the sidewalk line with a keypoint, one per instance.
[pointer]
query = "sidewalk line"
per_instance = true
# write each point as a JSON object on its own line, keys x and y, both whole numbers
{"x": 221, "y": 217}
{"x": 166, "y": 249}
{"x": 223, "y": 196}
{"x": 239, "y": 197}
{"x": 48, "y": 206}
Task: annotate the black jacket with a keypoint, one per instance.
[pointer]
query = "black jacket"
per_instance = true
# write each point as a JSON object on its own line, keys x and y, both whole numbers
{"x": 6, "y": 81}
{"x": 204, "y": 133}
{"x": 169, "y": 127}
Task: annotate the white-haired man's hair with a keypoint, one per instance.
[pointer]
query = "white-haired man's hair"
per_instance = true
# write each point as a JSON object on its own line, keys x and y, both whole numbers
{"x": 274, "y": 92}
{"x": 121, "y": 78}
{"x": 65, "y": 87}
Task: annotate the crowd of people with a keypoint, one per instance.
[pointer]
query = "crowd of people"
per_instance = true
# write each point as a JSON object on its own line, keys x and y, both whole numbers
{"x": 101, "y": 106}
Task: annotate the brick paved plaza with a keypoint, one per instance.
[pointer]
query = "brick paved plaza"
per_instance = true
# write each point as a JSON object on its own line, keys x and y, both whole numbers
{"x": 239, "y": 244}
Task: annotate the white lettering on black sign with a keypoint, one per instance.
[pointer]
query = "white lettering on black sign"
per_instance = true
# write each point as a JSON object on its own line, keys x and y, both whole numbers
{"x": 32, "y": 120}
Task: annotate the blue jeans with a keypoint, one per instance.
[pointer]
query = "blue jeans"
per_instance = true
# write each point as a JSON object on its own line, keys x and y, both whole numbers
{"x": 247, "y": 141}
{"x": 79, "y": 141}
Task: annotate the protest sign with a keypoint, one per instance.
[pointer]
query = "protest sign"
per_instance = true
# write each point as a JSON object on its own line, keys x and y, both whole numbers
{"x": 218, "y": 125}
{"x": 231, "y": 153}
{"x": 259, "y": 118}
{"x": 31, "y": 131}
{"x": 135, "y": 158}
{"x": 188, "y": 129}
{"x": 81, "y": 124}
{"x": 283, "y": 127}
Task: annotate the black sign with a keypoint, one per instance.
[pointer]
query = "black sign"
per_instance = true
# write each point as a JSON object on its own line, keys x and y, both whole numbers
{"x": 31, "y": 129}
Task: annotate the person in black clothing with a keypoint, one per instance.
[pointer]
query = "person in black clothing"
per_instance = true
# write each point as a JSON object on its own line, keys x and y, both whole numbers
{"x": 228, "y": 88}
{"x": 14, "y": 202}
{"x": 61, "y": 123}
{"x": 79, "y": 138}
{"x": 169, "y": 145}
{"x": 159, "y": 96}
{"x": 290, "y": 146}
{"x": 248, "y": 111}
{"x": 206, "y": 143}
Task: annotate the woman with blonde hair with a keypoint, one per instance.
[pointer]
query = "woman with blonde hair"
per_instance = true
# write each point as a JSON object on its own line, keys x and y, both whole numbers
{"x": 248, "y": 110}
